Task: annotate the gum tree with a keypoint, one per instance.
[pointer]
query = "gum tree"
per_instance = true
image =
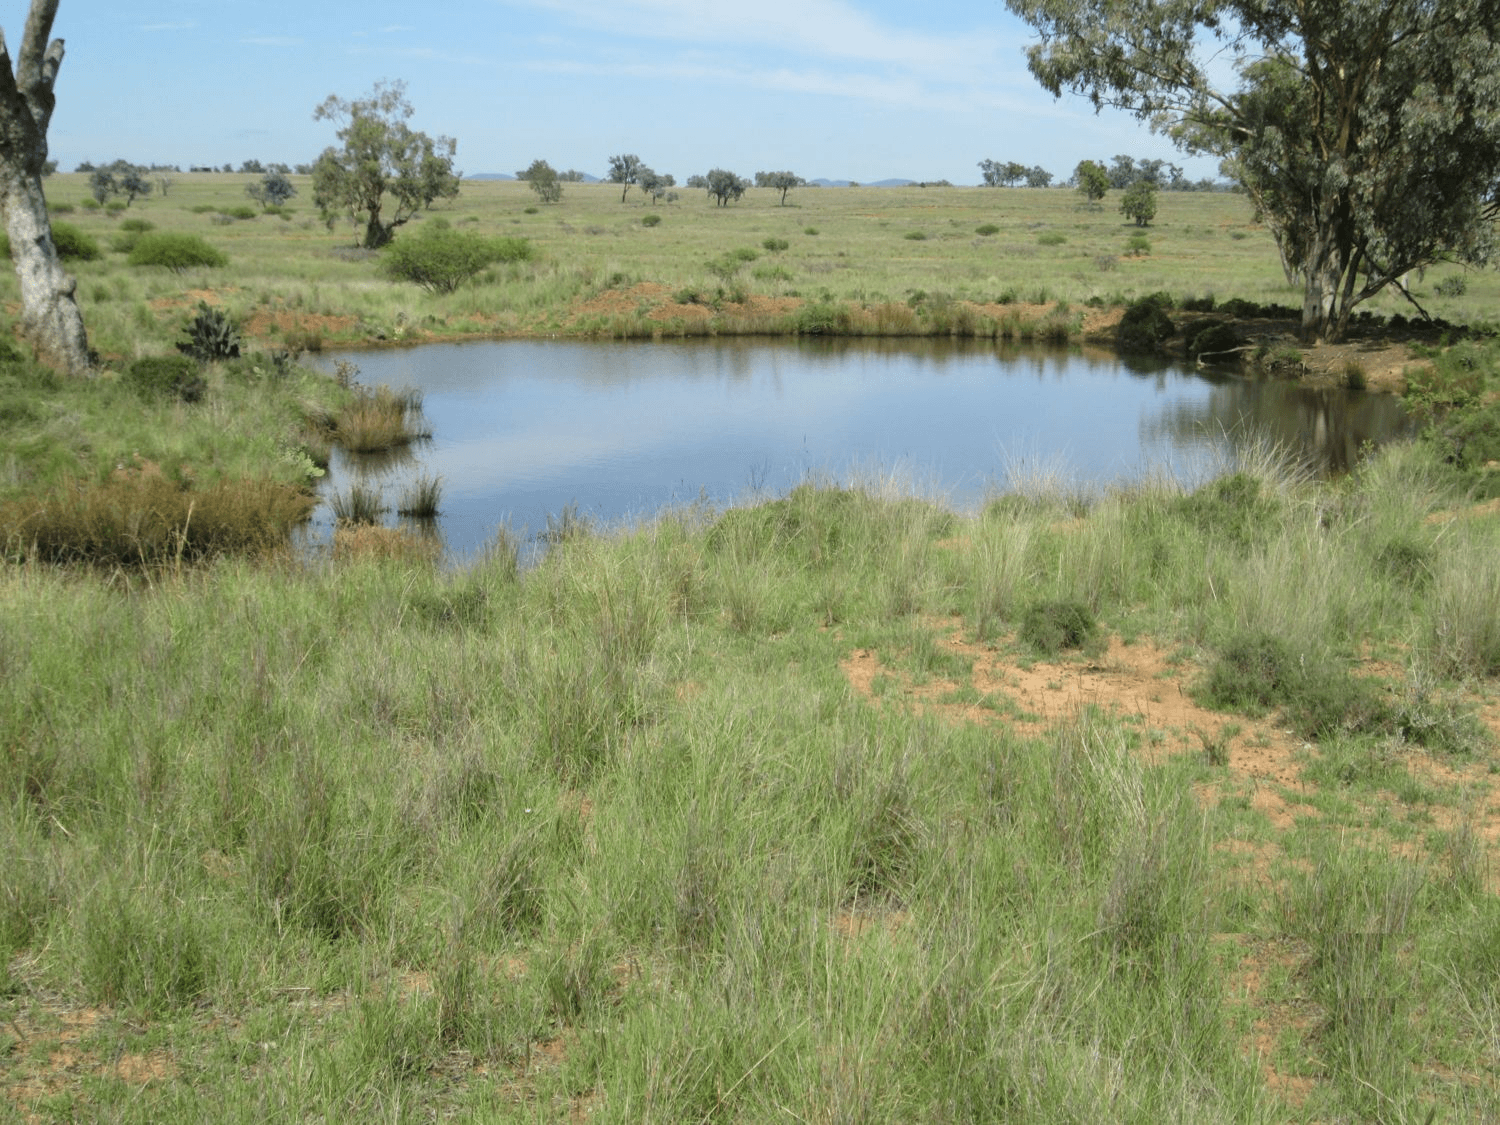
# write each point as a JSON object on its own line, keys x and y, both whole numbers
{"x": 50, "y": 320}
{"x": 1366, "y": 132}
{"x": 381, "y": 161}
{"x": 624, "y": 170}
{"x": 779, "y": 181}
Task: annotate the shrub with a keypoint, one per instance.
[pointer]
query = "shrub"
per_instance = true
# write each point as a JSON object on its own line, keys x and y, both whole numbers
{"x": 165, "y": 376}
{"x": 212, "y": 335}
{"x": 440, "y": 259}
{"x": 987, "y": 229}
{"x": 1139, "y": 203}
{"x": 72, "y": 243}
{"x": 175, "y": 251}
{"x": 775, "y": 245}
{"x": 915, "y": 235}
{"x": 1050, "y": 627}
{"x": 810, "y": 230}
{"x": 651, "y": 220}
{"x": 1051, "y": 238}
{"x": 1213, "y": 337}
{"x": 1137, "y": 245}
{"x": 61, "y": 208}
{"x": 1455, "y": 286}
{"x": 139, "y": 226}
{"x": 1146, "y": 325}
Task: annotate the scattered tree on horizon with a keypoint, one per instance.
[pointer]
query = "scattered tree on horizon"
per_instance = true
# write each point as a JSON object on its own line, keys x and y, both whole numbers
{"x": 50, "y": 319}
{"x": 119, "y": 178}
{"x": 1038, "y": 177}
{"x": 654, "y": 184}
{"x": 1362, "y": 130}
{"x": 1091, "y": 179}
{"x": 380, "y": 156}
{"x": 1139, "y": 202}
{"x": 724, "y": 186}
{"x": 273, "y": 189}
{"x": 624, "y": 170}
{"x": 543, "y": 179}
{"x": 779, "y": 181}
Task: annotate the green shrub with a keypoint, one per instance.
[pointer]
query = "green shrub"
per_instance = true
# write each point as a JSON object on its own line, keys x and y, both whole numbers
{"x": 915, "y": 235}
{"x": 1146, "y": 325}
{"x": 1050, "y": 627}
{"x": 775, "y": 245}
{"x": 69, "y": 242}
{"x": 61, "y": 208}
{"x": 1051, "y": 238}
{"x": 987, "y": 229}
{"x": 810, "y": 230}
{"x": 166, "y": 376}
{"x": 175, "y": 251}
{"x": 651, "y": 220}
{"x": 440, "y": 259}
{"x": 1230, "y": 510}
{"x": 1214, "y": 337}
{"x": 139, "y": 226}
{"x": 1137, "y": 245}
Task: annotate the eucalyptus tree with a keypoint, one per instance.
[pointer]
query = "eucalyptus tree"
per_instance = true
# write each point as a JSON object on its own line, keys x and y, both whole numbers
{"x": 381, "y": 161}
{"x": 724, "y": 186}
{"x": 1366, "y": 132}
{"x": 779, "y": 181}
{"x": 50, "y": 320}
{"x": 624, "y": 170}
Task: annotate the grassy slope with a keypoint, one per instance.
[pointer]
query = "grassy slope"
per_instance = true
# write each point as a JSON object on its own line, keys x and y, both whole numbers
{"x": 617, "y": 837}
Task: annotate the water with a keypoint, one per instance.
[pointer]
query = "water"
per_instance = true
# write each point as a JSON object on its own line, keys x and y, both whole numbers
{"x": 620, "y": 430}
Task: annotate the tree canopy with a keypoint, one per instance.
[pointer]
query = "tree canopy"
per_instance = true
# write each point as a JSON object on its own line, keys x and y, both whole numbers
{"x": 1092, "y": 180}
{"x": 382, "y": 159}
{"x": 779, "y": 181}
{"x": 544, "y": 181}
{"x": 1366, "y": 132}
{"x": 724, "y": 186}
{"x": 624, "y": 170}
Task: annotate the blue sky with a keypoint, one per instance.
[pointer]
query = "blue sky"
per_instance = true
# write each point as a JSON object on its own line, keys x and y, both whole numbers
{"x": 855, "y": 89}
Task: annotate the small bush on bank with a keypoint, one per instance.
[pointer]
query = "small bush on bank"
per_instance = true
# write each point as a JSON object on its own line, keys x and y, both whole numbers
{"x": 1146, "y": 325}
{"x": 175, "y": 251}
{"x": 440, "y": 259}
{"x": 379, "y": 419}
{"x": 1214, "y": 338}
{"x": 166, "y": 377}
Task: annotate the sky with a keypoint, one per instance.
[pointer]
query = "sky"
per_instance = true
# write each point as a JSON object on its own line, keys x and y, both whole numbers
{"x": 839, "y": 89}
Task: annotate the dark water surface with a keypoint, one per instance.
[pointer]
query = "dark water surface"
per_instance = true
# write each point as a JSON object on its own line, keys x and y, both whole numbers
{"x": 524, "y": 428}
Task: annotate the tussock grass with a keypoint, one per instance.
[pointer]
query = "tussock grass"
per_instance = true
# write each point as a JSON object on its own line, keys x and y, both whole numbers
{"x": 378, "y": 419}
{"x": 621, "y": 815}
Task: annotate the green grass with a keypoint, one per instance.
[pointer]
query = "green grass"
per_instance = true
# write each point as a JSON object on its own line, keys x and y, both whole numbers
{"x": 291, "y": 271}
{"x": 614, "y": 837}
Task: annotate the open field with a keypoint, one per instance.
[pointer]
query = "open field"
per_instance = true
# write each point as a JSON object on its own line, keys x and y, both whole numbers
{"x": 808, "y": 812}
{"x": 902, "y": 255}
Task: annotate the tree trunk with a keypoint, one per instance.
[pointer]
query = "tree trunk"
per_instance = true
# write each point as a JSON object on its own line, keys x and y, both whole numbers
{"x": 50, "y": 320}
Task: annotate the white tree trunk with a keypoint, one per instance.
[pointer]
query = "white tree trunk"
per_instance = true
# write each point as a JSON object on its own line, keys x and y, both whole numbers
{"x": 50, "y": 320}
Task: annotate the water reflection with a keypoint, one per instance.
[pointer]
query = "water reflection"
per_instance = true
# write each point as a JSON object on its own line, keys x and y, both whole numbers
{"x": 523, "y": 428}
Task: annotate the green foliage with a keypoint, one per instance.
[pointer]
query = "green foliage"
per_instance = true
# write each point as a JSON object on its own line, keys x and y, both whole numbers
{"x": 211, "y": 335}
{"x": 1214, "y": 338}
{"x": 1092, "y": 180}
{"x": 1051, "y": 238}
{"x": 175, "y": 251}
{"x": 381, "y": 161}
{"x": 166, "y": 377}
{"x": 651, "y": 220}
{"x": 775, "y": 245}
{"x": 1232, "y": 509}
{"x": 1331, "y": 131}
{"x": 724, "y": 186}
{"x": 271, "y": 191}
{"x": 70, "y": 243}
{"x": 1137, "y": 245}
{"x": 1139, "y": 202}
{"x": 1145, "y": 325}
{"x": 543, "y": 180}
{"x": 440, "y": 258}
{"x": 986, "y": 229}
{"x": 1050, "y": 627}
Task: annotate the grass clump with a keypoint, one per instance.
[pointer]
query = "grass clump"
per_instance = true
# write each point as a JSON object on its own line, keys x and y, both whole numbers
{"x": 376, "y": 420}
{"x": 1050, "y": 627}
{"x": 166, "y": 377}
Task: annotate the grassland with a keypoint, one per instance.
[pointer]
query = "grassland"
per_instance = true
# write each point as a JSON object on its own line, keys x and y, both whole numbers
{"x": 899, "y": 257}
{"x": 1145, "y": 805}
{"x": 802, "y": 812}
